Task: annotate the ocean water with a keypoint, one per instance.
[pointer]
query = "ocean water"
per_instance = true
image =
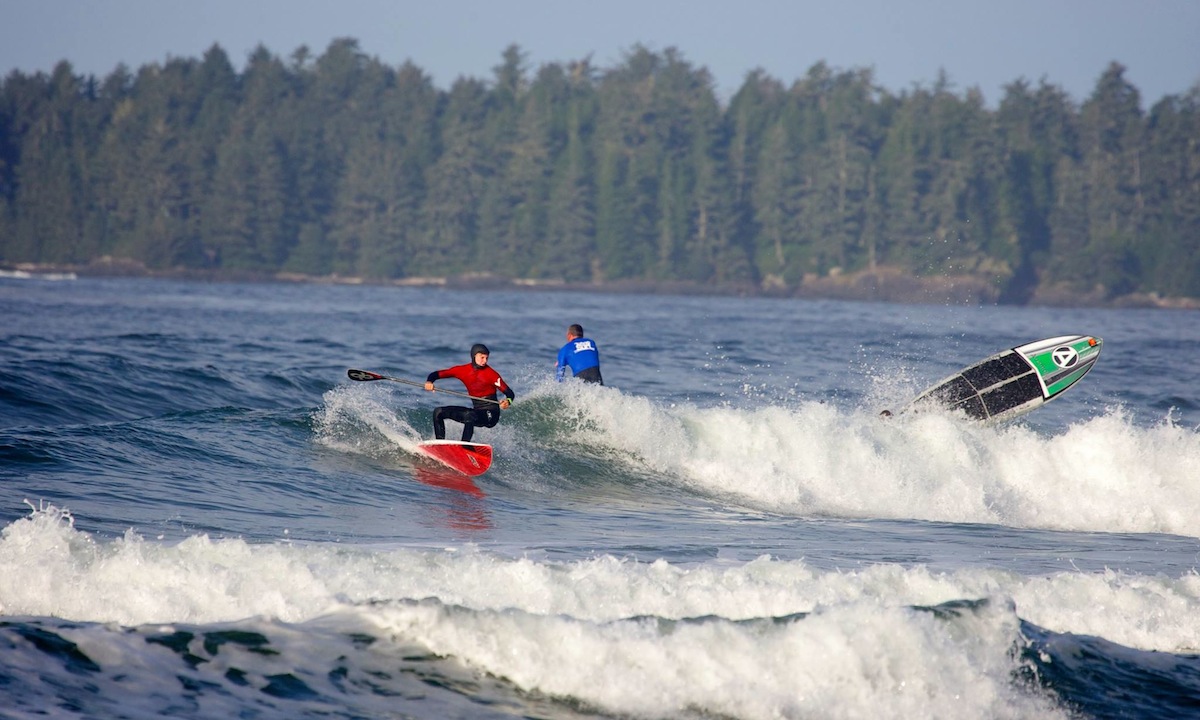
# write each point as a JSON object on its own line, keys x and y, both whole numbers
{"x": 202, "y": 517}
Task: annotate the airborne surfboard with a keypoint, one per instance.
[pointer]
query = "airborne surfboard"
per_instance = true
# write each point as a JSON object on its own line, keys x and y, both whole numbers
{"x": 1015, "y": 381}
{"x": 467, "y": 458}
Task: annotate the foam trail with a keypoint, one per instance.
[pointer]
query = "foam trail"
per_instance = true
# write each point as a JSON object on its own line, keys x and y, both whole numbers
{"x": 347, "y": 411}
{"x": 1102, "y": 474}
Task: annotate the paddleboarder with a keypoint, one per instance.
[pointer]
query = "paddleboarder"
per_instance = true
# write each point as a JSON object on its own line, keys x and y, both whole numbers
{"x": 482, "y": 382}
{"x": 581, "y": 355}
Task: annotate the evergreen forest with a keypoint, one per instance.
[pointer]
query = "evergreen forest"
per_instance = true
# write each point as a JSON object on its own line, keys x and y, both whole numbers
{"x": 340, "y": 165}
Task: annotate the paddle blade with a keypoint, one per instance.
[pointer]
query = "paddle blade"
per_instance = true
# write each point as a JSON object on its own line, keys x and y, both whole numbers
{"x": 364, "y": 375}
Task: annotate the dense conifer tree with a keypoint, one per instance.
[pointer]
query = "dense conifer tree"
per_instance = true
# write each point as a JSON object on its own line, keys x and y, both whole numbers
{"x": 338, "y": 163}
{"x": 568, "y": 249}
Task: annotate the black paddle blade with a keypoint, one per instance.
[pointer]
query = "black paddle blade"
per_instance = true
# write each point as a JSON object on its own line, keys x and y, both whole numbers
{"x": 364, "y": 375}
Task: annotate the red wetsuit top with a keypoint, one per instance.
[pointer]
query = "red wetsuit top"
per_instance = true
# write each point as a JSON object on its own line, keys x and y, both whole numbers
{"x": 480, "y": 381}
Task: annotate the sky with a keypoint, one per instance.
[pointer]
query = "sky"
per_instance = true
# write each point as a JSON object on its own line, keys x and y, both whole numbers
{"x": 978, "y": 43}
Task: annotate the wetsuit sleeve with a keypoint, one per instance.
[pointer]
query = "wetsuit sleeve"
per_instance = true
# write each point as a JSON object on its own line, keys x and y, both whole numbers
{"x": 504, "y": 388}
{"x": 435, "y": 375}
{"x": 560, "y": 365}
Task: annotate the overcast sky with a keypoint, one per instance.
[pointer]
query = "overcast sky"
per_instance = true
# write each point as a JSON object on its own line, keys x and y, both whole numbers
{"x": 983, "y": 43}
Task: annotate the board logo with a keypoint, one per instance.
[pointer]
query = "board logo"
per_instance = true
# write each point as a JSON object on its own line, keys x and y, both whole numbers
{"x": 1065, "y": 356}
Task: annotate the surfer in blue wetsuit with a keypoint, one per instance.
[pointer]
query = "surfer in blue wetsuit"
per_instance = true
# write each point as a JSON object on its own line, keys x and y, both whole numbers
{"x": 581, "y": 355}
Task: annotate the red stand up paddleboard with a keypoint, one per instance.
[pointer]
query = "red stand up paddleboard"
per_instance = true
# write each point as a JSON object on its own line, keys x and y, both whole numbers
{"x": 467, "y": 458}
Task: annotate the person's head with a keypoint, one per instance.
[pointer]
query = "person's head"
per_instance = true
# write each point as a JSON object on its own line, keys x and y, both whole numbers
{"x": 575, "y": 331}
{"x": 479, "y": 354}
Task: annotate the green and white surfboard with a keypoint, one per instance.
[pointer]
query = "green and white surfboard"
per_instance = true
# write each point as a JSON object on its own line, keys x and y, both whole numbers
{"x": 1015, "y": 381}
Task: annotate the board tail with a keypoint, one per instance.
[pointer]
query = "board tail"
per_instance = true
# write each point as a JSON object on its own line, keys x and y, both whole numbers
{"x": 467, "y": 458}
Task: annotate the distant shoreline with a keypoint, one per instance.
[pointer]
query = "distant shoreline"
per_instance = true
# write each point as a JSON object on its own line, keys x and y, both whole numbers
{"x": 884, "y": 285}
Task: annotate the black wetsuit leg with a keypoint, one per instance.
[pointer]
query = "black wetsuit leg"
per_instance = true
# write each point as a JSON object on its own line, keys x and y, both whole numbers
{"x": 591, "y": 375}
{"x": 463, "y": 415}
{"x": 487, "y": 417}
{"x": 469, "y": 417}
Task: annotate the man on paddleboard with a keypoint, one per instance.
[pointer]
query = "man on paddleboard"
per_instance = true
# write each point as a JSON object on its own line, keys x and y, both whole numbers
{"x": 482, "y": 383}
{"x": 581, "y": 355}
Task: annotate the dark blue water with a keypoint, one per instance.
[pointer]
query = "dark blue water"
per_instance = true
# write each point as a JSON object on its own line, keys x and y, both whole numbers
{"x": 203, "y": 517}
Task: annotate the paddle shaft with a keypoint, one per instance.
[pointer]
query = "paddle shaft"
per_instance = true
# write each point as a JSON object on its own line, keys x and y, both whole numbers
{"x": 366, "y": 376}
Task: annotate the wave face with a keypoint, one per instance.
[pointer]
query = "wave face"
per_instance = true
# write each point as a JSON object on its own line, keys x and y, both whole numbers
{"x": 204, "y": 517}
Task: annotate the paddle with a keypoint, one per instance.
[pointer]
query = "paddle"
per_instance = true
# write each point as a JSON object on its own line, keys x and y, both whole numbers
{"x": 366, "y": 375}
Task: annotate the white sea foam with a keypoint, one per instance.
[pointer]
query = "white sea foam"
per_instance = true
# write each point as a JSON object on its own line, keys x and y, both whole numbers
{"x": 50, "y": 568}
{"x": 847, "y": 661}
{"x": 26, "y": 275}
{"x": 347, "y": 409}
{"x": 1102, "y": 474}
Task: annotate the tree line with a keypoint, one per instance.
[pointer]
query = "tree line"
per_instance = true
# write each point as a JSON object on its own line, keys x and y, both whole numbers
{"x": 339, "y": 164}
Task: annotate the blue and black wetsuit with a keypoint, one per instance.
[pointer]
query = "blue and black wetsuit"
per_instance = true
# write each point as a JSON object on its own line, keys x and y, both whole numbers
{"x": 582, "y": 356}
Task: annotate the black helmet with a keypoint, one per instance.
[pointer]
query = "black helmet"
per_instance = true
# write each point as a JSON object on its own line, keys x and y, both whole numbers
{"x": 479, "y": 348}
